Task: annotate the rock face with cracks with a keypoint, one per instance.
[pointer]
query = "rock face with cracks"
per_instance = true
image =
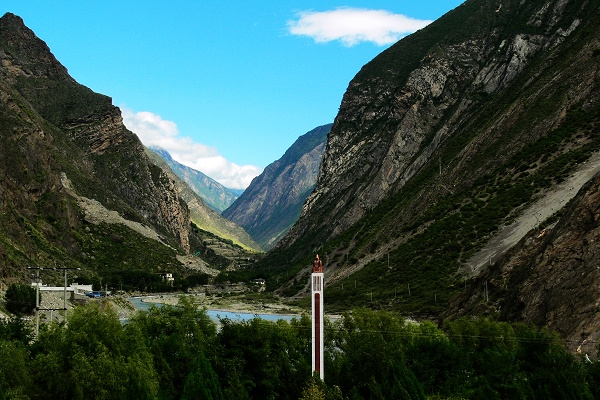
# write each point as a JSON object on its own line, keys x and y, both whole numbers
{"x": 551, "y": 277}
{"x": 403, "y": 106}
{"x": 54, "y": 130}
{"x": 272, "y": 203}
{"x": 431, "y": 137}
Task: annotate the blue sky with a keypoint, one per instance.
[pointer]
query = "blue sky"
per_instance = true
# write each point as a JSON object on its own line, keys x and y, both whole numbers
{"x": 225, "y": 86}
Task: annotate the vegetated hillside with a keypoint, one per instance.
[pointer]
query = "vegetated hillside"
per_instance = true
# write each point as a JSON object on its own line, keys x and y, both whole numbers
{"x": 203, "y": 216}
{"x": 441, "y": 140}
{"x": 272, "y": 203}
{"x": 215, "y": 195}
{"x": 76, "y": 188}
{"x": 550, "y": 278}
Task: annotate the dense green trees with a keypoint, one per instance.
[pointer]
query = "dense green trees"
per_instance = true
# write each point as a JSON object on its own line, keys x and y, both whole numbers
{"x": 93, "y": 355}
{"x": 270, "y": 360}
{"x": 20, "y": 299}
{"x": 369, "y": 362}
{"x": 514, "y": 361}
{"x": 177, "y": 338}
{"x": 378, "y": 355}
{"x": 178, "y": 353}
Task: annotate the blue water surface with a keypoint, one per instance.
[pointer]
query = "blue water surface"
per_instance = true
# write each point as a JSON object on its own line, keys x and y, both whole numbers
{"x": 216, "y": 315}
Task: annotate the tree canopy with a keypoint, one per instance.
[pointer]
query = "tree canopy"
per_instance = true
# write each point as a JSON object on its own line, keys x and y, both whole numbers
{"x": 178, "y": 352}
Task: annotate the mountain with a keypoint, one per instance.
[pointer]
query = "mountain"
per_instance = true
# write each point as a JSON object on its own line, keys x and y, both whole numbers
{"x": 76, "y": 187}
{"x": 272, "y": 203}
{"x": 215, "y": 195}
{"x": 442, "y": 142}
{"x": 550, "y": 277}
{"x": 203, "y": 216}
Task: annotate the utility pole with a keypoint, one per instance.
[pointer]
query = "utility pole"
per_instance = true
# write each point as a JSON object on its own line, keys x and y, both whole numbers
{"x": 486, "y": 292}
{"x": 65, "y": 293}
{"x": 37, "y": 299}
{"x": 37, "y": 294}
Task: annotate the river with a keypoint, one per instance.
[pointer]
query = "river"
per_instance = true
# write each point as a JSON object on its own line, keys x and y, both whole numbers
{"x": 216, "y": 315}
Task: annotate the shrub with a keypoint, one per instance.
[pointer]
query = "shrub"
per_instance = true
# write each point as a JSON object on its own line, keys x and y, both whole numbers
{"x": 20, "y": 299}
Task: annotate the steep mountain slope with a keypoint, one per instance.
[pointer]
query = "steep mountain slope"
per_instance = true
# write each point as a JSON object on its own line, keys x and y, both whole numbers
{"x": 272, "y": 203}
{"x": 441, "y": 140}
{"x": 76, "y": 188}
{"x": 215, "y": 195}
{"x": 550, "y": 278}
{"x": 203, "y": 216}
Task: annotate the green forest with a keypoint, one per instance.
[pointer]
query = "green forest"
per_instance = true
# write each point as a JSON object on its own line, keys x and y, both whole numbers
{"x": 178, "y": 352}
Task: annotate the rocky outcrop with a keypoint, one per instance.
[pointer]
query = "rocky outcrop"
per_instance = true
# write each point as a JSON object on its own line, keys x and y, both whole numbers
{"x": 444, "y": 140}
{"x": 271, "y": 204}
{"x": 406, "y": 104}
{"x": 51, "y": 126}
{"x": 551, "y": 278}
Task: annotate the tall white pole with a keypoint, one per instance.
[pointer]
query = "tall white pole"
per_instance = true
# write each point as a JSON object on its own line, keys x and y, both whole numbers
{"x": 65, "y": 294}
{"x": 317, "y": 318}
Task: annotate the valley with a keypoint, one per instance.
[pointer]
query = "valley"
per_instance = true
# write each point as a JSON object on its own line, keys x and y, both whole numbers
{"x": 454, "y": 202}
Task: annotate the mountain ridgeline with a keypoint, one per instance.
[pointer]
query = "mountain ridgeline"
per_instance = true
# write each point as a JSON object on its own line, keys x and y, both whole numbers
{"x": 203, "y": 216}
{"x": 441, "y": 141}
{"x": 271, "y": 204}
{"x": 76, "y": 187}
{"x": 215, "y": 195}
{"x": 460, "y": 176}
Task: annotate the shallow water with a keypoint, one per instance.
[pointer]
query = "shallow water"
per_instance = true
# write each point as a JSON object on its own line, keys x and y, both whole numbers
{"x": 216, "y": 315}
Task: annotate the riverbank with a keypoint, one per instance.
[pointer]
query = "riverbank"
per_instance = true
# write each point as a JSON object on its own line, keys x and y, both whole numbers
{"x": 234, "y": 304}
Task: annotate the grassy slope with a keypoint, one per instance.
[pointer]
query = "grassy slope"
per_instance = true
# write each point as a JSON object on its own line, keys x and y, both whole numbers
{"x": 204, "y": 217}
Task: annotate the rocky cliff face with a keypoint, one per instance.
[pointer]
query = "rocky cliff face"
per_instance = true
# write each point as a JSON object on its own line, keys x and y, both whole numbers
{"x": 551, "y": 278}
{"x": 271, "y": 204}
{"x": 52, "y": 128}
{"x": 441, "y": 141}
{"x": 406, "y": 105}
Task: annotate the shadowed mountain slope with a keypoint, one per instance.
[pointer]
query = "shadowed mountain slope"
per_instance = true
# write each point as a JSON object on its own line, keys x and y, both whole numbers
{"x": 440, "y": 142}
{"x": 272, "y": 203}
{"x": 76, "y": 188}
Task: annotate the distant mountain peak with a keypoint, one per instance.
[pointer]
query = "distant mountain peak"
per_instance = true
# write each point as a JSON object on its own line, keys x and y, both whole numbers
{"x": 161, "y": 152}
{"x": 215, "y": 195}
{"x": 272, "y": 203}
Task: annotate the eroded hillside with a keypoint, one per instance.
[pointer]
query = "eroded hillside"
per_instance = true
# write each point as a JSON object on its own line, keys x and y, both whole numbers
{"x": 76, "y": 188}
{"x": 440, "y": 141}
{"x": 271, "y": 204}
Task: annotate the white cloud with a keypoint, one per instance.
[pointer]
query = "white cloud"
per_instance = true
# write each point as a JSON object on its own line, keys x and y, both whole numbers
{"x": 155, "y": 131}
{"x": 354, "y": 25}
